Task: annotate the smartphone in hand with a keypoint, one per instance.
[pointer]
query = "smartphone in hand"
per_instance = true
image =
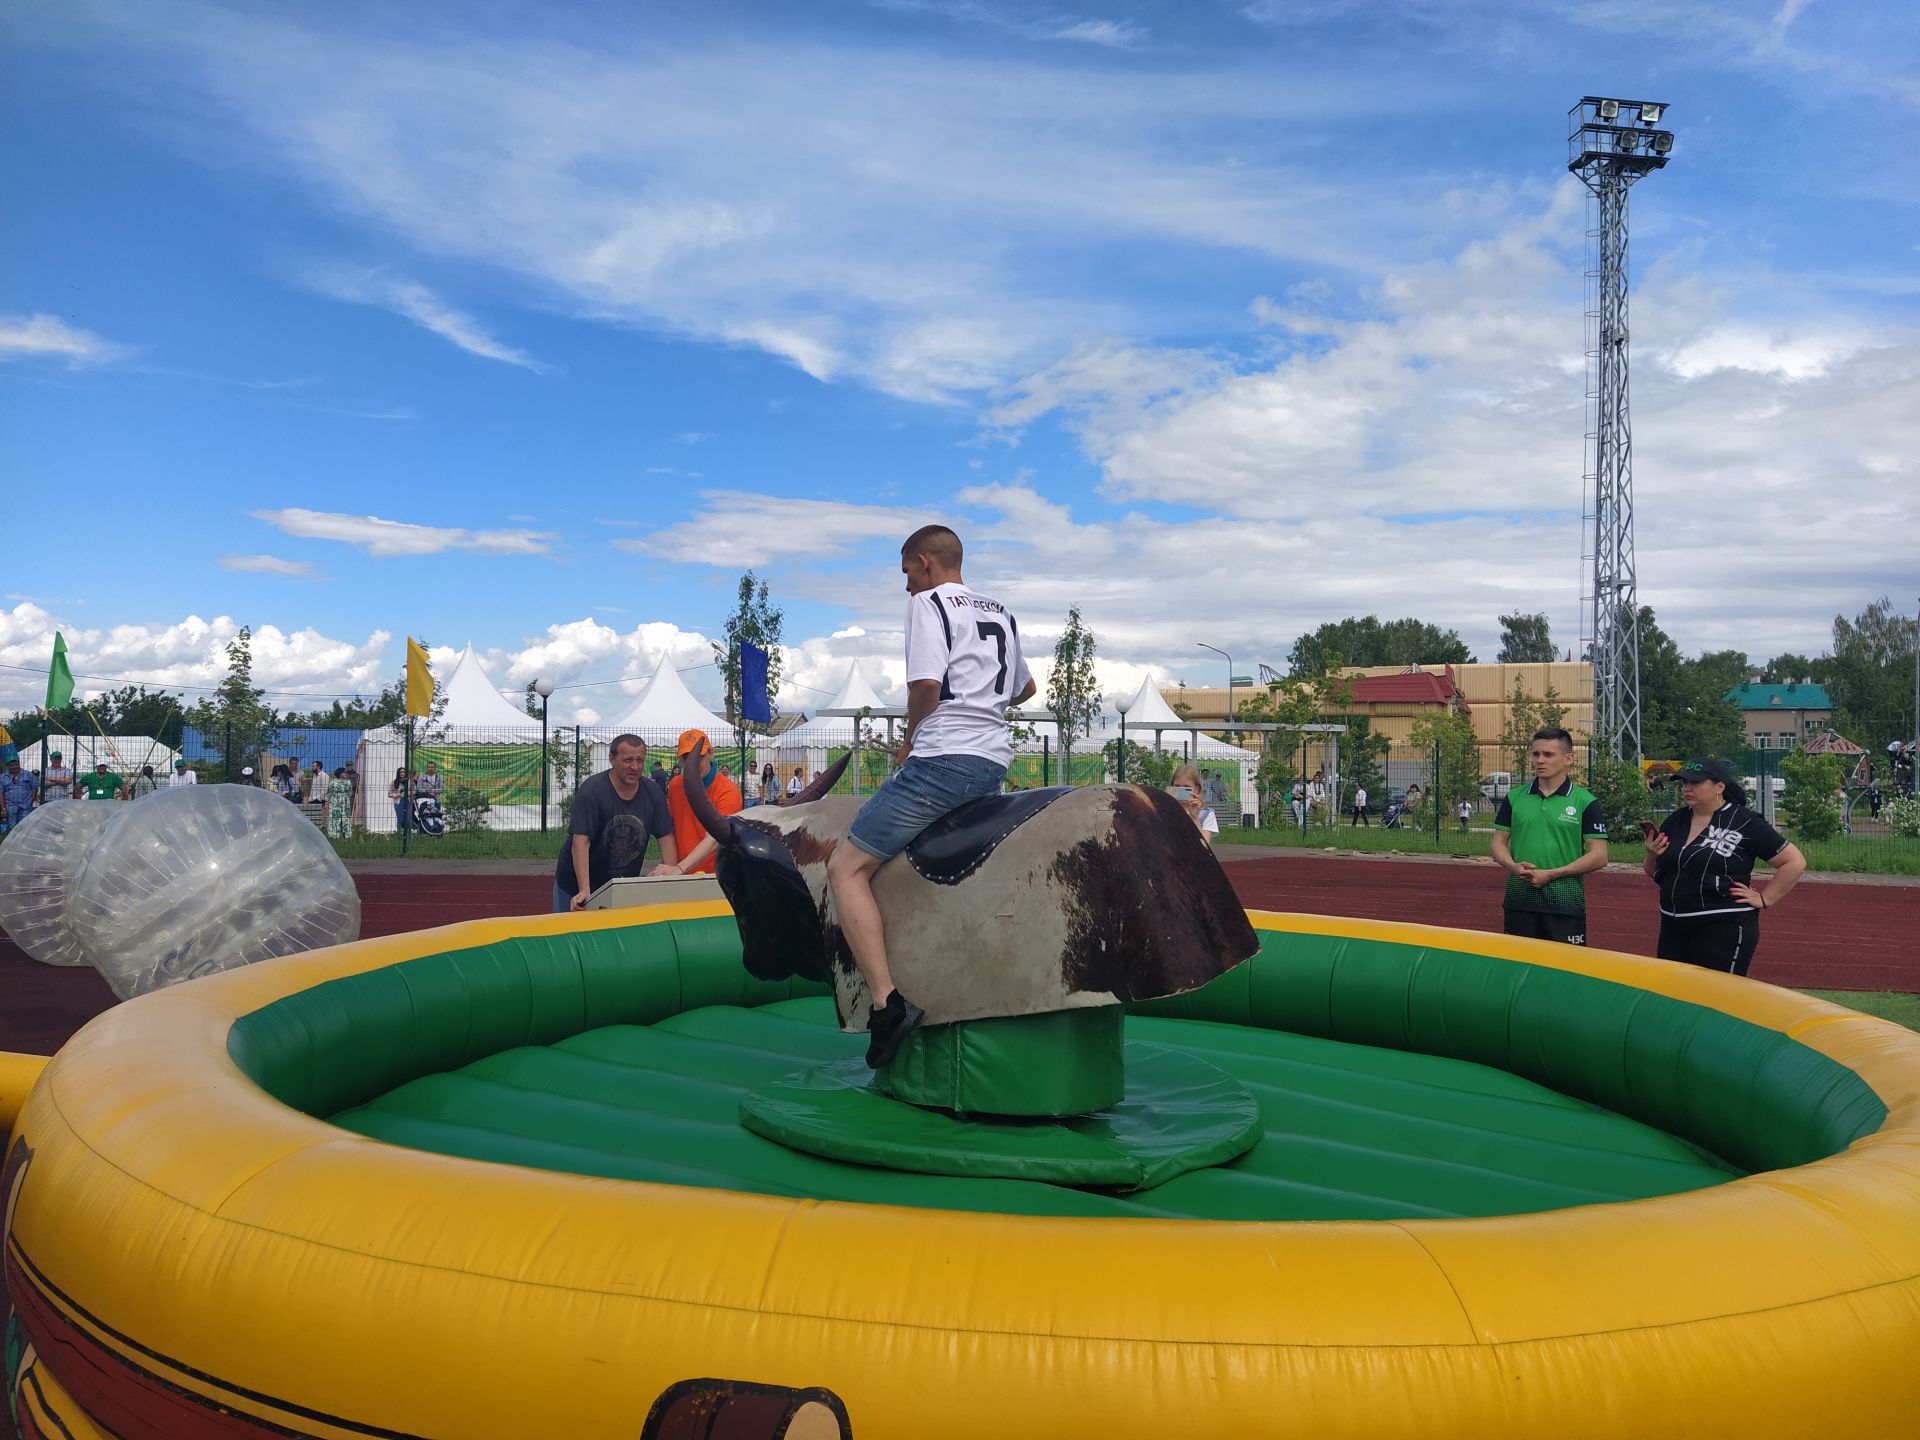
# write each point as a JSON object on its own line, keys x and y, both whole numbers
{"x": 1647, "y": 831}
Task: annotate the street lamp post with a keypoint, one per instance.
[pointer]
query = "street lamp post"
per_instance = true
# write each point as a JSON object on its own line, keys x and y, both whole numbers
{"x": 1229, "y": 659}
{"x": 1123, "y": 703}
{"x": 544, "y": 689}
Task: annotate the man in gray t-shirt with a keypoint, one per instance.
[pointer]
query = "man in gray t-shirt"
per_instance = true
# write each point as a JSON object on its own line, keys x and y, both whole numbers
{"x": 614, "y": 815}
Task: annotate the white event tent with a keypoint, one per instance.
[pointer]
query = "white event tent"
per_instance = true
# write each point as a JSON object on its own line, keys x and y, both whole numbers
{"x": 124, "y": 754}
{"x": 663, "y": 708}
{"x": 474, "y": 713}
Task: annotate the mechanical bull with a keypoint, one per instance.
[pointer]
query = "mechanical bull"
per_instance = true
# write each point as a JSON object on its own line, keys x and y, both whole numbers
{"x": 1016, "y": 904}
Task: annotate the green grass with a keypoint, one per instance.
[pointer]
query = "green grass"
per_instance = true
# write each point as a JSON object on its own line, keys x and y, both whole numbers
{"x": 1850, "y": 854}
{"x": 1887, "y": 1004}
{"x": 462, "y": 845}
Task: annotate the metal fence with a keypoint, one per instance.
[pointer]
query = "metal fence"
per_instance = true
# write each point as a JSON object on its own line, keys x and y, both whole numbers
{"x": 474, "y": 783}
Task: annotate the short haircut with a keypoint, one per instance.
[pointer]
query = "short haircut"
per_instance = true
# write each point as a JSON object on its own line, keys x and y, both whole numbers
{"x": 935, "y": 540}
{"x": 621, "y": 742}
{"x": 1554, "y": 732}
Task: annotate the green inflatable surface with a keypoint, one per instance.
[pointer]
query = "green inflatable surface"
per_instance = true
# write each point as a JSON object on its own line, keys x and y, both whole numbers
{"x": 1392, "y": 1080}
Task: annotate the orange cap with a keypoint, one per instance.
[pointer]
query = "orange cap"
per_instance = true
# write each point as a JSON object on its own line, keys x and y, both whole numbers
{"x": 687, "y": 740}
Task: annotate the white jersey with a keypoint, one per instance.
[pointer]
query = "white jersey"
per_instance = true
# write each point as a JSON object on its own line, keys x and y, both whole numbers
{"x": 971, "y": 645}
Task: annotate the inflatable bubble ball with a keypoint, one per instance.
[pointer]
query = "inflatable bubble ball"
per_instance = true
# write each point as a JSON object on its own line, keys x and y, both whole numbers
{"x": 38, "y": 864}
{"x": 208, "y": 878}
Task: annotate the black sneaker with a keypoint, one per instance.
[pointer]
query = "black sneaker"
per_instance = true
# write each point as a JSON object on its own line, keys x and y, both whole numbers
{"x": 889, "y": 1025}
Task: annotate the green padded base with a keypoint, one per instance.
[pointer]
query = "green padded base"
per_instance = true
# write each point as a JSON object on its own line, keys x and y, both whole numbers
{"x": 1065, "y": 1062}
{"x": 1178, "y": 1114}
{"x": 1349, "y": 1131}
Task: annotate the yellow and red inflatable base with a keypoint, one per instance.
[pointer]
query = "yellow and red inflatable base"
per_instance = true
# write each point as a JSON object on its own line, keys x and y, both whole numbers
{"x": 192, "y": 1250}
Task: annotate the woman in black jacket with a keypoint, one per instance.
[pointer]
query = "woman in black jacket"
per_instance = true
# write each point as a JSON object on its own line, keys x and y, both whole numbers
{"x": 1702, "y": 856}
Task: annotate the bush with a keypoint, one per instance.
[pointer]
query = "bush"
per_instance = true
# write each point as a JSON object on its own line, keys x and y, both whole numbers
{"x": 1808, "y": 804}
{"x": 465, "y": 808}
{"x": 1623, "y": 796}
{"x": 1903, "y": 816}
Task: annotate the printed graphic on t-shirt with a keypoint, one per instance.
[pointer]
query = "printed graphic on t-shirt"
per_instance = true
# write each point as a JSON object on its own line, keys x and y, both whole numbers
{"x": 970, "y": 643}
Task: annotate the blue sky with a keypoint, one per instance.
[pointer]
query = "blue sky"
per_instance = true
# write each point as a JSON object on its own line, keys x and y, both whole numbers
{"x": 534, "y": 326}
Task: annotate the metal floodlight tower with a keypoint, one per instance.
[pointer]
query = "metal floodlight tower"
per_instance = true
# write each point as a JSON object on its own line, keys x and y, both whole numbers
{"x": 1611, "y": 144}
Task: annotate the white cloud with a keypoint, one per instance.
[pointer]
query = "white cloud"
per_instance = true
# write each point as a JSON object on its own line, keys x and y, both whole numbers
{"x": 885, "y": 214}
{"x": 417, "y": 303}
{"x": 269, "y": 565}
{"x": 735, "y": 530}
{"x": 49, "y": 336}
{"x": 300, "y": 668}
{"x": 399, "y": 537}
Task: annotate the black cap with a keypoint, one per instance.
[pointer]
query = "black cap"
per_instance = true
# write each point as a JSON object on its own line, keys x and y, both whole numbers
{"x": 1708, "y": 770}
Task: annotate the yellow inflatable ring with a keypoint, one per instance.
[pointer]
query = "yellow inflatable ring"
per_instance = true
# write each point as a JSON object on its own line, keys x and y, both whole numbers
{"x": 188, "y": 1256}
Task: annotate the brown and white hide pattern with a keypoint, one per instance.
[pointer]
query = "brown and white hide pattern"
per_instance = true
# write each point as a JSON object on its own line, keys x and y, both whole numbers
{"x": 1107, "y": 894}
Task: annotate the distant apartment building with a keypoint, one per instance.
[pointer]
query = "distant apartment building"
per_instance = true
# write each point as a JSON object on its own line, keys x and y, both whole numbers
{"x": 1394, "y": 697}
{"x": 1779, "y": 717}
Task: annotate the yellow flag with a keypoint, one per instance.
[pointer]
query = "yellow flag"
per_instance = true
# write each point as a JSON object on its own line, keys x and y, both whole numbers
{"x": 419, "y": 680}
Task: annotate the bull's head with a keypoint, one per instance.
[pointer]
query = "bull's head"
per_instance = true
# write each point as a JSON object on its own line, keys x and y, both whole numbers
{"x": 1013, "y": 905}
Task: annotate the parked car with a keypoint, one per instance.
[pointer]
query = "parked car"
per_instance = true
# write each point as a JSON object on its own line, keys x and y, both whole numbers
{"x": 1495, "y": 785}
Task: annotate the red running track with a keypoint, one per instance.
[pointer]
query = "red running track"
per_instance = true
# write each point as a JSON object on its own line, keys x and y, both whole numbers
{"x": 1827, "y": 935}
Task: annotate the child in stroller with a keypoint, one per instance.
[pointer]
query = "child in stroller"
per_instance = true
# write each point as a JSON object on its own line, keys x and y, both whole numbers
{"x": 428, "y": 818}
{"x": 1396, "y": 810}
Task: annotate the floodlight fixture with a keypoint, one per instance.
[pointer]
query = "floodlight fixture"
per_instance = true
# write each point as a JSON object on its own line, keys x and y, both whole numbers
{"x": 1610, "y": 153}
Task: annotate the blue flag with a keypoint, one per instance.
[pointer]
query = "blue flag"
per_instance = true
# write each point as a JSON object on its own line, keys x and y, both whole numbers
{"x": 753, "y": 685}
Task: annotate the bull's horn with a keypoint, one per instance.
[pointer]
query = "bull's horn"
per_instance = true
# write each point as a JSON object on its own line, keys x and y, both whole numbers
{"x": 698, "y": 801}
{"x": 827, "y": 780}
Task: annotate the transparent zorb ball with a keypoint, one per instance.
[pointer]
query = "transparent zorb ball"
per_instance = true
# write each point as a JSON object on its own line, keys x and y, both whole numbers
{"x": 39, "y": 863}
{"x": 208, "y": 878}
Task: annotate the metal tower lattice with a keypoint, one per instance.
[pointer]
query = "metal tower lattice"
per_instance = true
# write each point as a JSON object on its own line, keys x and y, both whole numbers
{"x": 1611, "y": 144}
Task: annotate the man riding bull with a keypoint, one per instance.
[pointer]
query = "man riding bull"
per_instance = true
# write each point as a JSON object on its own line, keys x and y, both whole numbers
{"x": 964, "y": 668}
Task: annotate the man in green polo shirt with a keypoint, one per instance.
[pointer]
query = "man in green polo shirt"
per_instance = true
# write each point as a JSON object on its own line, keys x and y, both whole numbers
{"x": 103, "y": 784}
{"x": 1546, "y": 837}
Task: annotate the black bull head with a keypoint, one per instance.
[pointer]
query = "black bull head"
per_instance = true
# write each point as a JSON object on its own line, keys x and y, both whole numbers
{"x": 1012, "y": 905}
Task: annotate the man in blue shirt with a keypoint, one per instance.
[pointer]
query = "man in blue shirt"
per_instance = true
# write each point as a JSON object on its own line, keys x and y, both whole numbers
{"x": 16, "y": 793}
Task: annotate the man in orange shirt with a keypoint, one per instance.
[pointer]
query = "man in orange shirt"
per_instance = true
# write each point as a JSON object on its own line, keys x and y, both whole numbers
{"x": 696, "y": 845}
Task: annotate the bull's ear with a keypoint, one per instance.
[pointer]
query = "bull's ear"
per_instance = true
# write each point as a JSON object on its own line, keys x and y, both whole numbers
{"x": 829, "y": 778}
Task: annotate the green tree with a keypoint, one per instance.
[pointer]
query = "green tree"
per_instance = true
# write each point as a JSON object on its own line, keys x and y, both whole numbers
{"x": 1525, "y": 715}
{"x": 1684, "y": 709}
{"x": 1073, "y": 694}
{"x": 1296, "y": 700}
{"x": 1367, "y": 641}
{"x": 1808, "y": 802}
{"x": 359, "y": 713}
{"x": 129, "y": 710}
{"x": 1447, "y": 736}
{"x": 1363, "y": 758}
{"x": 1145, "y": 766}
{"x": 1870, "y": 675}
{"x": 756, "y": 620}
{"x": 1525, "y": 639}
{"x": 237, "y": 709}
{"x": 1622, "y": 793}
{"x": 530, "y": 702}
{"x": 1791, "y": 669}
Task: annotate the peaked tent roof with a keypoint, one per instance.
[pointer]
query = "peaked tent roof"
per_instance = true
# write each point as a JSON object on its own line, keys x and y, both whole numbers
{"x": 665, "y": 705}
{"x": 854, "y": 693}
{"x": 1149, "y": 705}
{"x": 473, "y": 703}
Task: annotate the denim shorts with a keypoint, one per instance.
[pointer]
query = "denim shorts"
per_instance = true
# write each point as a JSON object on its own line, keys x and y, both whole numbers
{"x": 919, "y": 793}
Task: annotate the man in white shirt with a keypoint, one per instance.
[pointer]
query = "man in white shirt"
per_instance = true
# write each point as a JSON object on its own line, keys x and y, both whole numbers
{"x": 181, "y": 776}
{"x": 964, "y": 668}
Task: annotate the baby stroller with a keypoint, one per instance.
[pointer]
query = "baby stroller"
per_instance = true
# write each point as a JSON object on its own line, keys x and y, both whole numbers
{"x": 1392, "y": 819}
{"x": 428, "y": 818}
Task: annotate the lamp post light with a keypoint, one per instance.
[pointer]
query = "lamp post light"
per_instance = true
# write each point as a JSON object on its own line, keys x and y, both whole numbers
{"x": 1123, "y": 703}
{"x": 1229, "y": 659}
{"x": 544, "y": 689}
